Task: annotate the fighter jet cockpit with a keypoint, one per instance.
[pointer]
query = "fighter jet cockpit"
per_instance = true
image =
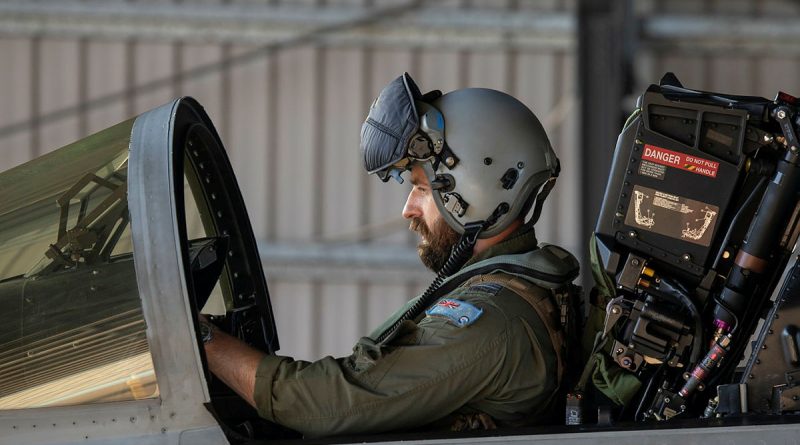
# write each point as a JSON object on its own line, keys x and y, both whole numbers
{"x": 108, "y": 248}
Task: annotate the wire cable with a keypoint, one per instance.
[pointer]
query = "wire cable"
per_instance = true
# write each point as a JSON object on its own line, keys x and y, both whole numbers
{"x": 458, "y": 257}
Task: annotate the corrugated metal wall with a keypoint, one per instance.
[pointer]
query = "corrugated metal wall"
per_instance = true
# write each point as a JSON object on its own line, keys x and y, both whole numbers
{"x": 290, "y": 117}
{"x": 744, "y": 47}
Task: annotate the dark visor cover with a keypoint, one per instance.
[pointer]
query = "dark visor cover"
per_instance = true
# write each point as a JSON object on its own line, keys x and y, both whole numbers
{"x": 390, "y": 125}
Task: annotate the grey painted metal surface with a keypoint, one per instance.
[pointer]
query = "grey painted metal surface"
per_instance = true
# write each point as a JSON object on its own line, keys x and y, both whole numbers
{"x": 342, "y": 264}
{"x": 744, "y": 435}
{"x": 691, "y": 33}
{"x": 160, "y": 272}
{"x": 429, "y": 25}
{"x": 118, "y": 424}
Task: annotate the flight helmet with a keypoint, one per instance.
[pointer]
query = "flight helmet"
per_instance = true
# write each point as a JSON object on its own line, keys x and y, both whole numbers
{"x": 485, "y": 154}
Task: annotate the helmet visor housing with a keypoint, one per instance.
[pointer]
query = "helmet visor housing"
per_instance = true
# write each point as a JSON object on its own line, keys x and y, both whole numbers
{"x": 402, "y": 128}
{"x": 391, "y": 124}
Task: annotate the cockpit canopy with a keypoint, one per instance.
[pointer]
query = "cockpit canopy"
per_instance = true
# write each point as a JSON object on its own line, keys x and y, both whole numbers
{"x": 95, "y": 237}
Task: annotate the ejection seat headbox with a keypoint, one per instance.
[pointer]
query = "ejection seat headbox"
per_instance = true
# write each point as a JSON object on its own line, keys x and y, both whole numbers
{"x": 676, "y": 166}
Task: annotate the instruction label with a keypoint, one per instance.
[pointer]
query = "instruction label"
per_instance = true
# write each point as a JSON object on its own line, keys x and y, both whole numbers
{"x": 671, "y": 215}
{"x": 650, "y": 169}
{"x": 681, "y": 161}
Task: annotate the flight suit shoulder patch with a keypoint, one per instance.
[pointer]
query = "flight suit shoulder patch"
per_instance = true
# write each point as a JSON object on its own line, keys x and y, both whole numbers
{"x": 457, "y": 312}
{"x": 487, "y": 288}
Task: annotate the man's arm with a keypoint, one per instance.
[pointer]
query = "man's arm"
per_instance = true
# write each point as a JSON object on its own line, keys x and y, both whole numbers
{"x": 429, "y": 371}
{"x": 234, "y": 362}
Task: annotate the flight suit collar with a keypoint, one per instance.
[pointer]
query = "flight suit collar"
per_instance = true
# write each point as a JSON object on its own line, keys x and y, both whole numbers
{"x": 523, "y": 240}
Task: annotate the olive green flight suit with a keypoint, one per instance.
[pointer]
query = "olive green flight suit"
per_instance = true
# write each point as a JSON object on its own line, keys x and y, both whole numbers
{"x": 503, "y": 364}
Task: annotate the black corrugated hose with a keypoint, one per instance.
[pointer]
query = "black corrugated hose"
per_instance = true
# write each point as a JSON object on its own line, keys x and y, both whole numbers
{"x": 458, "y": 257}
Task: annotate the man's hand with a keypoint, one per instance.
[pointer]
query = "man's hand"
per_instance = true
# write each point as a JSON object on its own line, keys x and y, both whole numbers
{"x": 472, "y": 422}
{"x": 233, "y": 361}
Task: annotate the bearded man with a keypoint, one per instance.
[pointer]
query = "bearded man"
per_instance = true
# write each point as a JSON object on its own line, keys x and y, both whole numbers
{"x": 484, "y": 345}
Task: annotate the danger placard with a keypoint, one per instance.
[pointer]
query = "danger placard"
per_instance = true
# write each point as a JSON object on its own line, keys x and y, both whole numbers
{"x": 682, "y": 161}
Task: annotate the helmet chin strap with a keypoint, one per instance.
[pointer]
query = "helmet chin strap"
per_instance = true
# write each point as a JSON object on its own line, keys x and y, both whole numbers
{"x": 459, "y": 255}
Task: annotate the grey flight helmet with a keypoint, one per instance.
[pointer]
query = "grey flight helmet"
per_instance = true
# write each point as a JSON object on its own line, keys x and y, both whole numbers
{"x": 485, "y": 154}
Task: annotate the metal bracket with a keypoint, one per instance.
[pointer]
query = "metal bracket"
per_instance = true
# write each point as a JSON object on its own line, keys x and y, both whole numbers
{"x": 616, "y": 309}
{"x": 626, "y": 357}
{"x": 785, "y": 399}
{"x": 783, "y": 115}
{"x": 631, "y": 272}
{"x": 455, "y": 204}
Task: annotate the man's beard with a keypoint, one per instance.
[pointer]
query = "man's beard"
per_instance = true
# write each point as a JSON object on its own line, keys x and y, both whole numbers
{"x": 436, "y": 244}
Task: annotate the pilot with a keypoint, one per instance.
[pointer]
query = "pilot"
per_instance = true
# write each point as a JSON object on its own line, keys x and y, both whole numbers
{"x": 484, "y": 345}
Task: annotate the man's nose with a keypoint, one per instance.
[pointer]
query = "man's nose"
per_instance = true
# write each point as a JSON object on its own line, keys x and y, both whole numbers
{"x": 411, "y": 209}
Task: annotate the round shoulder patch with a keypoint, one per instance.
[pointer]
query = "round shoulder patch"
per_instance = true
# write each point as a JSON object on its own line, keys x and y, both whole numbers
{"x": 460, "y": 313}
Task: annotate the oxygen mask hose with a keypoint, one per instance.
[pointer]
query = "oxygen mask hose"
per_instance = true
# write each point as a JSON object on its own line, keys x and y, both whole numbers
{"x": 460, "y": 254}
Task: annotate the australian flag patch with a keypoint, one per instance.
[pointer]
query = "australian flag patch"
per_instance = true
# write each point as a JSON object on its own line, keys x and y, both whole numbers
{"x": 460, "y": 313}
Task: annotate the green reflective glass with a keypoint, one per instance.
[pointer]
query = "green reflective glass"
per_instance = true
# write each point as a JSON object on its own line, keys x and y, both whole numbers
{"x": 74, "y": 331}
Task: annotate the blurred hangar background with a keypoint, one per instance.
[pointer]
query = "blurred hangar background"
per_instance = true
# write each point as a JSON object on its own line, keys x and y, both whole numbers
{"x": 288, "y": 83}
